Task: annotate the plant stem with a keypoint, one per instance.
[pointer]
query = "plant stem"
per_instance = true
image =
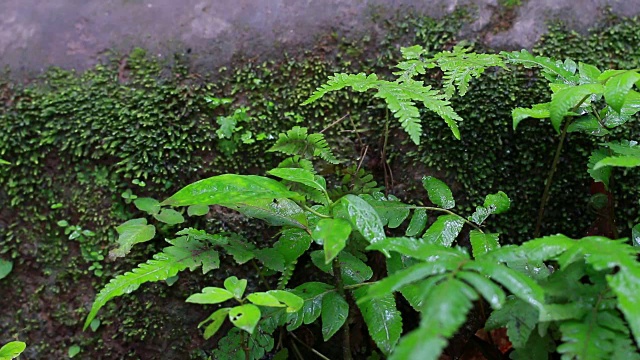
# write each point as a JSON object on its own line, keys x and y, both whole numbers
{"x": 547, "y": 186}
{"x": 314, "y": 212}
{"x": 346, "y": 337}
{"x": 430, "y": 208}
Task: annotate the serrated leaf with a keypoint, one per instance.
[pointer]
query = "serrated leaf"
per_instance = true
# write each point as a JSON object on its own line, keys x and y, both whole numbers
{"x": 271, "y": 258}
{"x": 569, "y": 98}
{"x": 420, "y": 344}
{"x": 354, "y": 271}
{"x": 235, "y": 286}
{"x": 359, "y": 82}
{"x": 485, "y": 287}
{"x": 130, "y": 233}
{"x": 519, "y": 285}
{"x": 519, "y": 317}
{"x": 230, "y": 189}
{"x": 538, "y": 111}
{"x": 383, "y": 319}
{"x": 482, "y": 243}
{"x": 588, "y": 73}
{"x": 481, "y": 214}
{"x": 216, "y": 320}
{"x": 333, "y": 235}
{"x": 293, "y": 242}
{"x": 194, "y": 253}
{"x": 312, "y": 293}
{"x": 626, "y": 286}
{"x": 417, "y": 223}
{"x": 444, "y": 230}
{"x": 392, "y": 212}
{"x": 149, "y": 205}
{"x": 12, "y": 350}
{"x": 410, "y": 275}
{"x": 169, "y": 216}
{"x": 361, "y": 216}
{"x": 439, "y": 192}
{"x": 5, "y": 268}
{"x": 617, "y": 87}
{"x": 198, "y": 210}
{"x": 210, "y": 295}
{"x": 334, "y": 313}
{"x": 590, "y": 125}
{"x": 245, "y": 317}
{"x": 240, "y": 250}
{"x": 418, "y": 249}
{"x": 499, "y": 200}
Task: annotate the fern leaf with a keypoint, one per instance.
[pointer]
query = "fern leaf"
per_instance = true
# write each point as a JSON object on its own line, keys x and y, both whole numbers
{"x": 383, "y": 319}
{"x": 182, "y": 255}
{"x": 461, "y": 65}
{"x": 403, "y": 108}
{"x": 161, "y": 267}
{"x": 359, "y": 82}
{"x": 297, "y": 142}
{"x": 595, "y": 337}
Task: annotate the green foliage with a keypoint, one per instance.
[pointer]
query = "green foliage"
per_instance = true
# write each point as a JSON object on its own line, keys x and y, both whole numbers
{"x": 459, "y": 66}
{"x": 12, "y": 350}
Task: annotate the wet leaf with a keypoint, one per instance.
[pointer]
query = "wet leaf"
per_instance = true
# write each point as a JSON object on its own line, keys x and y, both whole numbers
{"x": 245, "y": 317}
{"x": 482, "y": 243}
{"x": 235, "y": 286}
{"x": 417, "y": 223}
{"x": 361, "y": 216}
{"x": 333, "y": 234}
{"x": 444, "y": 230}
{"x": 439, "y": 192}
{"x": 335, "y": 311}
{"x": 130, "y": 233}
{"x": 383, "y": 319}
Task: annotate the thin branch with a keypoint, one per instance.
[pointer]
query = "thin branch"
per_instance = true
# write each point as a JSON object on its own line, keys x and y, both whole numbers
{"x": 333, "y": 123}
{"x": 308, "y": 347}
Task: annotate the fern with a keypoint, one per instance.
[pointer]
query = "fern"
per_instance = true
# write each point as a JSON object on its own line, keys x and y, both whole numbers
{"x": 552, "y": 70}
{"x": 297, "y": 142}
{"x": 354, "y": 181}
{"x": 402, "y": 95}
{"x": 186, "y": 253}
{"x": 460, "y": 66}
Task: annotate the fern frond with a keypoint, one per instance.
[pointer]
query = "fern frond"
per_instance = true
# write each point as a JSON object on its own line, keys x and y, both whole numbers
{"x": 401, "y": 105}
{"x": 354, "y": 181}
{"x": 297, "y": 142}
{"x": 359, "y": 82}
{"x": 461, "y": 65}
{"x": 297, "y": 162}
{"x": 174, "y": 259}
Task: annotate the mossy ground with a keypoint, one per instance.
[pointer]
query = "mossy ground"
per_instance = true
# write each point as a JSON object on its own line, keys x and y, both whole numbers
{"x": 82, "y": 139}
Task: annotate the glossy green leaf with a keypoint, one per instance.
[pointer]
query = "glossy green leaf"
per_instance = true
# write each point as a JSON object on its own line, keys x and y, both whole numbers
{"x": 520, "y": 285}
{"x": 12, "y": 350}
{"x": 617, "y": 87}
{"x": 538, "y": 111}
{"x": 392, "y": 212}
{"x": 299, "y": 175}
{"x": 312, "y": 293}
{"x": 417, "y": 223}
{"x": 130, "y": 233}
{"x": 482, "y": 243}
{"x": 264, "y": 299}
{"x": 293, "y": 242}
{"x": 210, "y": 295}
{"x": 354, "y": 271}
{"x": 198, "y": 210}
{"x": 276, "y": 212}
{"x": 73, "y": 351}
{"x": 230, "y": 189}
{"x": 5, "y": 268}
{"x": 215, "y": 320}
{"x": 292, "y": 301}
{"x": 481, "y": 214}
{"x": 169, "y": 216}
{"x": 590, "y": 125}
{"x": 499, "y": 200}
{"x": 194, "y": 253}
{"x": 619, "y": 161}
{"x": 603, "y": 173}
{"x": 439, "y": 192}
{"x": 245, "y": 317}
{"x": 485, "y": 287}
{"x": 569, "y": 98}
{"x": 361, "y": 216}
{"x": 626, "y": 286}
{"x": 383, "y": 319}
{"x": 418, "y": 249}
{"x": 333, "y": 234}
{"x": 235, "y": 286}
{"x": 149, "y": 205}
{"x": 444, "y": 230}
{"x": 588, "y": 73}
{"x": 334, "y": 313}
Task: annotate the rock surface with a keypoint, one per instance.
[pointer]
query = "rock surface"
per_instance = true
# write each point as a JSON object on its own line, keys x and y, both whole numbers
{"x": 36, "y": 34}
